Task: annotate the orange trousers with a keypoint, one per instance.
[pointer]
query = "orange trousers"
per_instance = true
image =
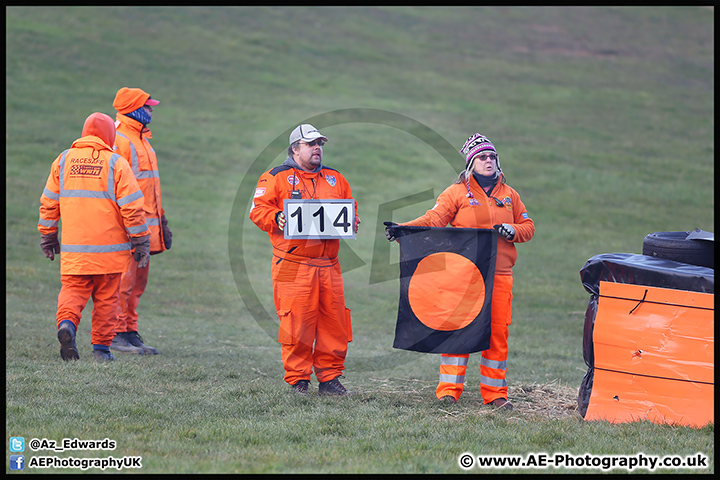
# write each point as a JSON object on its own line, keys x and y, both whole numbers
{"x": 132, "y": 286}
{"x": 493, "y": 361}
{"x": 74, "y": 294}
{"x": 315, "y": 325}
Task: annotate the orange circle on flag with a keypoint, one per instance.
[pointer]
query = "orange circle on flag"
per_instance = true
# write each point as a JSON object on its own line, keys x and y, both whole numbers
{"x": 446, "y": 291}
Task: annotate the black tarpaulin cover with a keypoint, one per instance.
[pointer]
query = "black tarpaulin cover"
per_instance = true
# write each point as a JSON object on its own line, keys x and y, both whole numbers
{"x": 646, "y": 270}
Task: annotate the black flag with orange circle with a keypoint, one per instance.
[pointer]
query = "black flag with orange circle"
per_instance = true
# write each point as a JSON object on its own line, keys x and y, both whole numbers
{"x": 446, "y": 280}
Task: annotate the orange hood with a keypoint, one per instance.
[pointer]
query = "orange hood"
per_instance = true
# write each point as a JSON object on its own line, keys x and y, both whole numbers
{"x": 130, "y": 99}
{"x": 101, "y": 126}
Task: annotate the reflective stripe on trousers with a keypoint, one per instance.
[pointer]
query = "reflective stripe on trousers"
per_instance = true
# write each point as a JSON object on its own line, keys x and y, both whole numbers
{"x": 452, "y": 375}
{"x": 493, "y": 362}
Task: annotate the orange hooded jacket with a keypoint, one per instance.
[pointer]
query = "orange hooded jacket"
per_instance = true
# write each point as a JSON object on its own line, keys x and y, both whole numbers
{"x": 454, "y": 207}
{"x": 276, "y": 185}
{"x": 132, "y": 143}
{"x": 96, "y": 195}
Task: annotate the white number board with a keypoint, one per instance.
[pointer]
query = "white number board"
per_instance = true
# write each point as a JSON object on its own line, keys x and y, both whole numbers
{"x": 319, "y": 219}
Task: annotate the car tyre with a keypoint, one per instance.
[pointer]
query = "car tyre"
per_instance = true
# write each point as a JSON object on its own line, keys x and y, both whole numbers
{"x": 676, "y": 246}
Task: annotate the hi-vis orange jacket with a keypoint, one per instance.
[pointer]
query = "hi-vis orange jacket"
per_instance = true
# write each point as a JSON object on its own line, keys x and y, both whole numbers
{"x": 132, "y": 143}
{"x": 94, "y": 192}
{"x": 276, "y": 185}
{"x": 454, "y": 207}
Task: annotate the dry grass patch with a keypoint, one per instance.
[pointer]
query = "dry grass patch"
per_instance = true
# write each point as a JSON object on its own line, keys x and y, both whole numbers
{"x": 550, "y": 400}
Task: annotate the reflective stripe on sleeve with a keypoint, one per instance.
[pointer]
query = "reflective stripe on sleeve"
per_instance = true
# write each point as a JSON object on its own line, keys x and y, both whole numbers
{"x": 48, "y": 223}
{"x": 51, "y": 195}
{"x": 129, "y": 198}
{"x": 139, "y": 229}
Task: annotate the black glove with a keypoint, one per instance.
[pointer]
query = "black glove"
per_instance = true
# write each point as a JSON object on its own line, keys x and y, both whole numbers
{"x": 167, "y": 234}
{"x": 142, "y": 250}
{"x": 506, "y": 230}
{"x": 50, "y": 245}
{"x": 390, "y": 230}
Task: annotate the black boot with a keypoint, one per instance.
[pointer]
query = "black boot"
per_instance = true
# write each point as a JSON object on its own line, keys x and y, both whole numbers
{"x": 102, "y": 355}
{"x": 136, "y": 340}
{"x": 301, "y": 387}
{"x": 121, "y": 343}
{"x": 66, "y": 337}
{"x": 333, "y": 387}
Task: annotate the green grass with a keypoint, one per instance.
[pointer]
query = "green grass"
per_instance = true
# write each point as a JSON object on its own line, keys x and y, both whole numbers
{"x": 604, "y": 120}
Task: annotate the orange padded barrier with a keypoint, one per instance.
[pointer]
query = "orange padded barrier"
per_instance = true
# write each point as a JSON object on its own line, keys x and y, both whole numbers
{"x": 654, "y": 356}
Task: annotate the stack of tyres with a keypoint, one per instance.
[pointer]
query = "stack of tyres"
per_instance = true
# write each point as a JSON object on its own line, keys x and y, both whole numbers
{"x": 648, "y": 340}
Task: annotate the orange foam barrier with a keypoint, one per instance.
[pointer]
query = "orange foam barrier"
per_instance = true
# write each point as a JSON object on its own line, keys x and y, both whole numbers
{"x": 653, "y": 356}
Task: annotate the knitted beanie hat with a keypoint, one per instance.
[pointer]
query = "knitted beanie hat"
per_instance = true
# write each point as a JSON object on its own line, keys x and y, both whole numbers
{"x": 476, "y": 144}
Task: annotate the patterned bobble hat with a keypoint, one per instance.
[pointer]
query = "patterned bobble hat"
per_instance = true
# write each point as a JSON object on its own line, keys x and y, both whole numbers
{"x": 476, "y": 144}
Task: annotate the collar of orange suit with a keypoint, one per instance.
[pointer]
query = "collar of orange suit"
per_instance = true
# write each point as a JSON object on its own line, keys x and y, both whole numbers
{"x": 130, "y": 122}
{"x": 290, "y": 162}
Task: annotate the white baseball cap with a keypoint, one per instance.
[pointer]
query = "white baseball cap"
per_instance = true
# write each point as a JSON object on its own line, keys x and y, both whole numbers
{"x": 306, "y": 133}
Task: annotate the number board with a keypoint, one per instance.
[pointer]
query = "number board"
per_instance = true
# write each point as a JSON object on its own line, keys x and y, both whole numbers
{"x": 319, "y": 219}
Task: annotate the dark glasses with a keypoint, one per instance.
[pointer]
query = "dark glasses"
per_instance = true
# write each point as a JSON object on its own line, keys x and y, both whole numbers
{"x": 485, "y": 156}
{"x": 319, "y": 142}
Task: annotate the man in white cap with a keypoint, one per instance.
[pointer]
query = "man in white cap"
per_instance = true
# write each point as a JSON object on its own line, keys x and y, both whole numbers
{"x": 308, "y": 290}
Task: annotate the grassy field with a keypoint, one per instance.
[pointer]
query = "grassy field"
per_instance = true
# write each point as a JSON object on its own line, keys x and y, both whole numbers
{"x": 604, "y": 121}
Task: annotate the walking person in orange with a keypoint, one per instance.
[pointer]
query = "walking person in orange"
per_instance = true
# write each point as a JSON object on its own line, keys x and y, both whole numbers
{"x": 480, "y": 198}
{"x": 95, "y": 194}
{"x": 308, "y": 290}
{"x": 134, "y": 112}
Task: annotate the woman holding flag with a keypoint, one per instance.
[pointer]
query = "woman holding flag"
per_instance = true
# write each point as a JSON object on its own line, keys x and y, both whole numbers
{"x": 481, "y": 198}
